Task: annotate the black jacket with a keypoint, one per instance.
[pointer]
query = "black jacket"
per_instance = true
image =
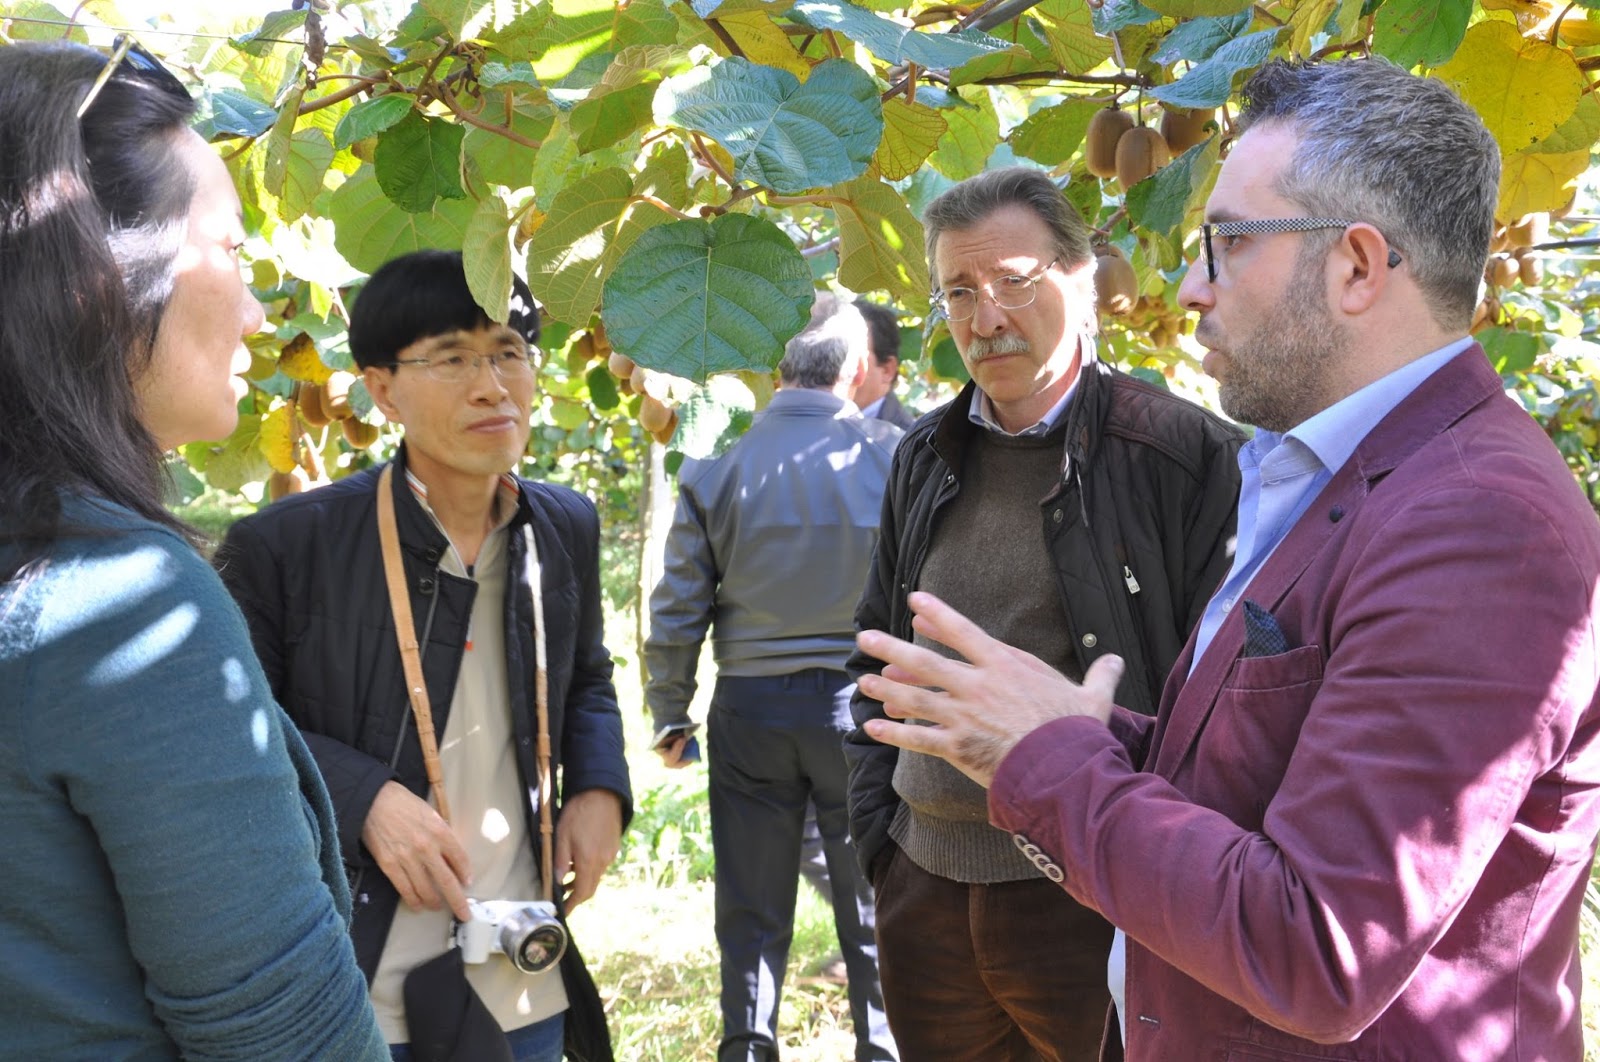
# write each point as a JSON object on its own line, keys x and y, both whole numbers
{"x": 308, "y": 574}
{"x": 1140, "y": 526}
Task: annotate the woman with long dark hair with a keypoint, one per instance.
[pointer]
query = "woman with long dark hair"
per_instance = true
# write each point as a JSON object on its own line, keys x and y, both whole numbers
{"x": 171, "y": 884}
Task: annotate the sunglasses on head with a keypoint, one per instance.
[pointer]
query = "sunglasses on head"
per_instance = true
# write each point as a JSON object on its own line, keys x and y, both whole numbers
{"x": 146, "y": 67}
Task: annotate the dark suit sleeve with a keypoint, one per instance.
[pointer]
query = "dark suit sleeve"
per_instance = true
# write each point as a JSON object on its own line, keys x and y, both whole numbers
{"x": 252, "y": 571}
{"x": 592, "y": 753}
{"x": 873, "y": 801}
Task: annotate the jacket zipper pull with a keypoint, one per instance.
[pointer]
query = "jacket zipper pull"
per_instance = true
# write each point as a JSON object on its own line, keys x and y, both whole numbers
{"x": 1127, "y": 577}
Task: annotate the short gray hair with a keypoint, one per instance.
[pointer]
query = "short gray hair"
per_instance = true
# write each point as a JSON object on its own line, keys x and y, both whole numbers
{"x": 975, "y": 198}
{"x": 1401, "y": 152}
{"x": 833, "y": 342}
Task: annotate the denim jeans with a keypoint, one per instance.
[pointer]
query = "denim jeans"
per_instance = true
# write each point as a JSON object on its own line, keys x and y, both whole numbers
{"x": 539, "y": 1042}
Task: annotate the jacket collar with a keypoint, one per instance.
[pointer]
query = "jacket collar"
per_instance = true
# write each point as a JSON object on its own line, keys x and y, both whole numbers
{"x": 1461, "y": 385}
{"x": 420, "y": 532}
{"x": 1085, "y": 417}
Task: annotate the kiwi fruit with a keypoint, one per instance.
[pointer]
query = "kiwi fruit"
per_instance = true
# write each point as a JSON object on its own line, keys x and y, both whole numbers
{"x": 1140, "y": 153}
{"x": 1106, "y": 129}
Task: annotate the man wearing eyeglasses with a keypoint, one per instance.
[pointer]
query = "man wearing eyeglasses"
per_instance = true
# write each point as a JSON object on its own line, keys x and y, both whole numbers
{"x": 1072, "y": 510}
{"x": 1362, "y": 823}
{"x": 309, "y": 574}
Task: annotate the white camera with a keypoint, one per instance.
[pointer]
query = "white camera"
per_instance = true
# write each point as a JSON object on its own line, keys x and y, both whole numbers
{"x": 525, "y": 931}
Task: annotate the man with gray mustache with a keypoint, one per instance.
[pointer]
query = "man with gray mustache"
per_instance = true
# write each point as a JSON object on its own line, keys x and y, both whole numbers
{"x": 1070, "y": 510}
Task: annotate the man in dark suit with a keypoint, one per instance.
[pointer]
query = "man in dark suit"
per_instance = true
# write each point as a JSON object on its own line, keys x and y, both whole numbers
{"x": 875, "y": 397}
{"x": 1366, "y": 809}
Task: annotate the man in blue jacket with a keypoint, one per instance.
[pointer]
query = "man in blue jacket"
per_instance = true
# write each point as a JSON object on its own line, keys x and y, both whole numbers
{"x": 771, "y": 542}
{"x": 309, "y": 575}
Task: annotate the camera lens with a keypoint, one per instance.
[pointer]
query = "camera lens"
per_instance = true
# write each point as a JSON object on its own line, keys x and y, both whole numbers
{"x": 532, "y": 939}
{"x": 540, "y": 949}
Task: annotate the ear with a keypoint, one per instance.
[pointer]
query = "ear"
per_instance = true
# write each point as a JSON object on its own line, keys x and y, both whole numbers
{"x": 1363, "y": 274}
{"x": 379, "y": 383}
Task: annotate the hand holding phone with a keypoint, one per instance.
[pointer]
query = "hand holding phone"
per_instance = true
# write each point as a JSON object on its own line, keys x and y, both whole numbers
{"x": 681, "y": 736}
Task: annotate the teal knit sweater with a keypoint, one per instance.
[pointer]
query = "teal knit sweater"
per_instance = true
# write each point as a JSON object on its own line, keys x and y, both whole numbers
{"x": 170, "y": 885}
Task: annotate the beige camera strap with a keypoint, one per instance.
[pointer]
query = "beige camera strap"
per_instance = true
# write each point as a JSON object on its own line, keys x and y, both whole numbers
{"x": 411, "y": 660}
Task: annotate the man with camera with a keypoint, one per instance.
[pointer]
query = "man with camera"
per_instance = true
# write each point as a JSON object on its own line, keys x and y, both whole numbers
{"x": 494, "y": 582}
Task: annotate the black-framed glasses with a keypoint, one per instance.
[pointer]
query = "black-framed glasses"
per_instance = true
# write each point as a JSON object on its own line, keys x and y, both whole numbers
{"x": 453, "y": 368}
{"x": 1229, "y": 229}
{"x": 1010, "y": 292}
{"x": 124, "y": 49}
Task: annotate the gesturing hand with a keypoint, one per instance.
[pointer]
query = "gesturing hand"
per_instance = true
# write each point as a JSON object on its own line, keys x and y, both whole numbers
{"x": 417, "y": 851}
{"x": 980, "y": 707}
{"x": 588, "y": 835}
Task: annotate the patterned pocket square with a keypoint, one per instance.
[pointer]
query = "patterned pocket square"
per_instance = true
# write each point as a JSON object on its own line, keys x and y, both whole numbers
{"x": 1262, "y": 635}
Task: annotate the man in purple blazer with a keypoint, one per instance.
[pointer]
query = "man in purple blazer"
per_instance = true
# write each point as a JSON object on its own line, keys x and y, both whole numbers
{"x": 1361, "y": 823}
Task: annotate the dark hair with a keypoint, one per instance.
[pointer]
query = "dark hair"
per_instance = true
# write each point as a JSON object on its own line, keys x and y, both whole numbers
{"x": 883, "y": 326}
{"x": 975, "y": 198}
{"x": 93, "y": 212}
{"x": 424, "y": 294}
{"x": 1403, "y": 153}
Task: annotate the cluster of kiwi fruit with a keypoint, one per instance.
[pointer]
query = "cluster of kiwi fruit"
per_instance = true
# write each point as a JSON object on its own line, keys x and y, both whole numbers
{"x": 1119, "y": 145}
{"x": 317, "y": 406}
{"x": 1512, "y": 260}
{"x": 655, "y": 415}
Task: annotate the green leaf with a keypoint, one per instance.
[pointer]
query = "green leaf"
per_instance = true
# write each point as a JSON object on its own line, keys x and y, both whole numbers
{"x": 1197, "y": 8}
{"x": 1160, "y": 202}
{"x": 1198, "y": 40}
{"x": 1210, "y": 83}
{"x": 781, "y": 133}
{"x": 234, "y": 113}
{"x": 1577, "y": 133}
{"x": 53, "y": 24}
{"x": 880, "y": 243}
{"x": 974, "y": 132}
{"x": 371, "y": 117}
{"x": 591, "y": 224}
{"x": 1508, "y": 350}
{"x": 603, "y": 388}
{"x": 1420, "y": 32}
{"x": 694, "y": 298}
{"x": 1052, "y": 135}
{"x": 499, "y": 159}
{"x": 486, "y": 255}
{"x": 276, "y": 170}
{"x": 418, "y": 161}
{"x": 494, "y": 75}
{"x": 892, "y": 42}
{"x": 310, "y": 155}
{"x": 608, "y": 115}
{"x": 576, "y": 30}
{"x": 714, "y": 418}
{"x": 370, "y": 229}
{"x": 276, "y": 25}
{"x": 946, "y": 361}
{"x": 1068, "y": 29}
{"x": 239, "y": 460}
{"x": 910, "y": 133}
{"x": 1114, "y": 15}
{"x": 644, "y": 22}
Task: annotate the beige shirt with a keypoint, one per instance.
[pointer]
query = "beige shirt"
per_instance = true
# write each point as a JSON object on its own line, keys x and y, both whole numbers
{"x": 477, "y": 755}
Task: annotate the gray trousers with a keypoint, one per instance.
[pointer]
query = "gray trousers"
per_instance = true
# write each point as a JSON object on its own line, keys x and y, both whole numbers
{"x": 773, "y": 744}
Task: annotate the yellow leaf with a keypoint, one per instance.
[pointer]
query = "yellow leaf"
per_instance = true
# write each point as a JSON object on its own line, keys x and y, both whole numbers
{"x": 880, "y": 243}
{"x": 1522, "y": 88}
{"x": 277, "y": 439}
{"x": 763, "y": 41}
{"x": 910, "y": 133}
{"x": 1535, "y": 183}
{"x": 300, "y": 361}
{"x": 1307, "y": 21}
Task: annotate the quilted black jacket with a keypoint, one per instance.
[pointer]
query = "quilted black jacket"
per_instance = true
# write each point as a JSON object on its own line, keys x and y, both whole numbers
{"x": 1141, "y": 527}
